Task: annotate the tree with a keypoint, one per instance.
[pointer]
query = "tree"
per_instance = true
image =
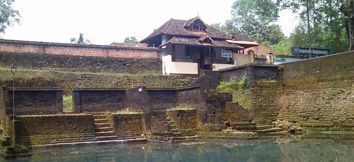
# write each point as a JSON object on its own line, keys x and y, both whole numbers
{"x": 255, "y": 19}
{"x": 80, "y": 40}
{"x": 131, "y": 40}
{"x": 8, "y": 16}
{"x": 347, "y": 9}
{"x": 326, "y": 15}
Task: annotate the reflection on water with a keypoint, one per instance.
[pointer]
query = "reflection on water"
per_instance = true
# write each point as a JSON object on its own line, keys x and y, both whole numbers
{"x": 229, "y": 150}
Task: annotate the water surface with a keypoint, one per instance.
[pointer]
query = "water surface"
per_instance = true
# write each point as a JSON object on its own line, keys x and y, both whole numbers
{"x": 210, "y": 151}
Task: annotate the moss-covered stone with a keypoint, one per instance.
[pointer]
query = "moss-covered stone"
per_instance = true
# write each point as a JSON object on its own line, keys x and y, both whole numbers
{"x": 185, "y": 120}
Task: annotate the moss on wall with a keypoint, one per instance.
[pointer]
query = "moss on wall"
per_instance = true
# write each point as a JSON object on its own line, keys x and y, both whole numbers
{"x": 258, "y": 99}
{"x": 42, "y": 129}
{"x": 128, "y": 124}
{"x": 185, "y": 120}
{"x": 70, "y": 80}
{"x": 240, "y": 92}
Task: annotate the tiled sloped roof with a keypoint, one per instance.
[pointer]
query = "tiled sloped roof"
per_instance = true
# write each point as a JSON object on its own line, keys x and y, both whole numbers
{"x": 176, "y": 27}
{"x": 239, "y": 37}
{"x": 197, "y": 42}
{"x": 260, "y": 51}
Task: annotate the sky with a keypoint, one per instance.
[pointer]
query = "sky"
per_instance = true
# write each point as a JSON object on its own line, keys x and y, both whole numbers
{"x": 107, "y": 21}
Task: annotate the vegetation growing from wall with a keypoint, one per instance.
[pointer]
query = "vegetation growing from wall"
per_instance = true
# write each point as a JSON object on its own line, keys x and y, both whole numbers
{"x": 70, "y": 80}
{"x": 239, "y": 89}
{"x": 67, "y": 103}
{"x": 180, "y": 109}
{"x": 129, "y": 111}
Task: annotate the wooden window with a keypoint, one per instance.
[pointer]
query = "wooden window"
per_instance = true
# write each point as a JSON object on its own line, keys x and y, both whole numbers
{"x": 188, "y": 51}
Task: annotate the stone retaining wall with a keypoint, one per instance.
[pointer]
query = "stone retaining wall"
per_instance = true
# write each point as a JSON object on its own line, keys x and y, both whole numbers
{"x": 34, "y": 100}
{"x": 184, "y": 120}
{"x": 43, "y": 129}
{"x": 98, "y": 100}
{"x": 128, "y": 125}
{"x": 79, "y": 57}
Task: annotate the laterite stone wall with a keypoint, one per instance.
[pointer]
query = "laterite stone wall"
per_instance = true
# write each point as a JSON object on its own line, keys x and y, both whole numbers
{"x": 319, "y": 92}
{"x": 128, "y": 125}
{"x": 32, "y": 101}
{"x": 43, "y": 129}
{"x": 184, "y": 120}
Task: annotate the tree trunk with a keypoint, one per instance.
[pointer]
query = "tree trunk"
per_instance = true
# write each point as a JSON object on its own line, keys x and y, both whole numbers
{"x": 351, "y": 34}
{"x": 351, "y": 25}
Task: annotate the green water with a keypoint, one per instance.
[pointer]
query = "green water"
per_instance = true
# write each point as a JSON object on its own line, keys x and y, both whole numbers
{"x": 223, "y": 151}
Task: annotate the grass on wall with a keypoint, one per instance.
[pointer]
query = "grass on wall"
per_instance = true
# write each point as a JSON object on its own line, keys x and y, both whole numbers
{"x": 239, "y": 90}
{"x": 67, "y": 103}
{"x": 69, "y": 80}
{"x": 180, "y": 109}
{"x": 129, "y": 111}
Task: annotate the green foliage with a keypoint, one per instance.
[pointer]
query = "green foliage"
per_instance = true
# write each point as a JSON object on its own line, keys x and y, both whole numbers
{"x": 283, "y": 47}
{"x": 243, "y": 82}
{"x": 180, "y": 109}
{"x": 325, "y": 19}
{"x": 239, "y": 90}
{"x": 130, "y": 40}
{"x": 8, "y": 16}
{"x": 255, "y": 18}
{"x": 227, "y": 86}
{"x": 80, "y": 40}
{"x": 67, "y": 103}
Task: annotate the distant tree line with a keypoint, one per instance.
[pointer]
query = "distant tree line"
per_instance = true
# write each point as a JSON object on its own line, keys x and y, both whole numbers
{"x": 323, "y": 23}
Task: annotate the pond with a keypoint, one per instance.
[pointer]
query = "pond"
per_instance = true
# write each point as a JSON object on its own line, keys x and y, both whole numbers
{"x": 271, "y": 150}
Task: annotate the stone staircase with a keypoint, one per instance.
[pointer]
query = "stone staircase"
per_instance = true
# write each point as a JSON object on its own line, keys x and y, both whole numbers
{"x": 260, "y": 130}
{"x": 103, "y": 129}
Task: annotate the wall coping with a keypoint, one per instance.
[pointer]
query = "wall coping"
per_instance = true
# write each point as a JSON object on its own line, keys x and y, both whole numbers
{"x": 124, "y": 89}
{"x": 173, "y": 89}
{"x": 98, "y": 89}
{"x": 33, "y": 89}
{"x": 24, "y": 42}
{"x": 52, "y": 115}
{"x": 245, "y": 66}
{"x": 317, "y": 58}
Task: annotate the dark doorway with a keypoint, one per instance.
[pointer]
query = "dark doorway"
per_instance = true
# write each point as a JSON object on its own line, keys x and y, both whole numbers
{"x": 204, "y": 58}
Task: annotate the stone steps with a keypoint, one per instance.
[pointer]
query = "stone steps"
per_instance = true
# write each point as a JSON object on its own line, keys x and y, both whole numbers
{"x": 101, "y": 125}
{"x": 101, "y": 121}
{"x": 70, "y": 140}
{"x": 106, "y": 133}
{"x": 103, "y": 129}
{"x": 260, "y": 130}
{"x": 243, "y": 126}
{"x": 183, "y": 139}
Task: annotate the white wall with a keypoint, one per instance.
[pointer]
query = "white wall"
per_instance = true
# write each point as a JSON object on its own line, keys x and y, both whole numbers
{"x": 183, "y": 68}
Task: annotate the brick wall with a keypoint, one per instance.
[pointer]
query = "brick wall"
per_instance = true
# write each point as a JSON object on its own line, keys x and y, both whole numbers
{"x": 297, "y": 75}
{"x": 77, "y": 57}
{"x": 128, "y": 125}
{"x": 34, "y": 100}
{"x": 162, "y": 99}
{"x": 98, "y": 100}
{"x": 215, "y": 108}
{"x": 42, "y": 129}
{"x": 31, "y": 47}
{"x": 252, "y": 72}
{"x": 159, "y": 125}
{"x": 80, "y": 63}
{"x": 319, "y": 92}
{"x": 185, "y": 121}
{"x": 235, "y": 113}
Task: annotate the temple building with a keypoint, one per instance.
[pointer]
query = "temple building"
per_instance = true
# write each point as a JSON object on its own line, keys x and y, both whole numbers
{"x": 190, "y": 46}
